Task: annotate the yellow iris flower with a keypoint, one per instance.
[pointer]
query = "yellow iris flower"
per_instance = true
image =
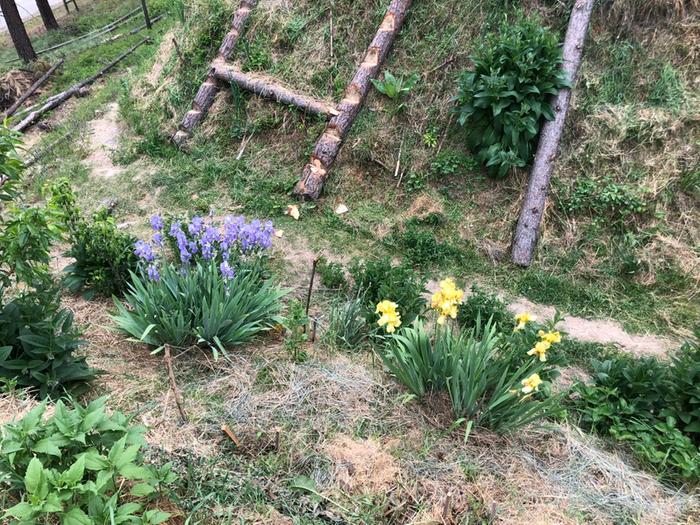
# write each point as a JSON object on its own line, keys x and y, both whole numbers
{"x": 550, "y": 337}
{"x": 522, "y": 319}
{"x": 531, "y": 384}
{"x": 389, "y": 316}
{"x": 446, "y": 300}
{"x": 540, "y": 350}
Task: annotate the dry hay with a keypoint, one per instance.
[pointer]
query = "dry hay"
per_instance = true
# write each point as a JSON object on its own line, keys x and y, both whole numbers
{"x": 14, "y": 407}
{"x": 12, "y": 85}
{"x": 628, "y": 12}
{"x": 361, "y": 466}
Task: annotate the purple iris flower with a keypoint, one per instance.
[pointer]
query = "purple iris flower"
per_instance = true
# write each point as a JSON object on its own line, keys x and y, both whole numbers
{"x": 157, "y": 223}
{"x": 144, "y": 251}
{"x": 227, "y": 271}
{"x": 153, "y": 273}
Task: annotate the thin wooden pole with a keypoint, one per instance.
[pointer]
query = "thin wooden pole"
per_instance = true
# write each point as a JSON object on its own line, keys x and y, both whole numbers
{"x": 145, "y": 14}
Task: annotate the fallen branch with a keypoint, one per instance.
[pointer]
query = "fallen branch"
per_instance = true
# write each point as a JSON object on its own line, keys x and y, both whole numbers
{"x": 74, "y": 90}
{"x": 32, "y": 89}
{"x": 527, "y": 230}
{"x": 267, "y": 87}
{"x": 211, "y": 86}
{"x": 326, "y": 150}
{"x": 173, "y": 385}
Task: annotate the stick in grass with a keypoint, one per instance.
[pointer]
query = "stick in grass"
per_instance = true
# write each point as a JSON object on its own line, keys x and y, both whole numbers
{"x": 173, "y": 385}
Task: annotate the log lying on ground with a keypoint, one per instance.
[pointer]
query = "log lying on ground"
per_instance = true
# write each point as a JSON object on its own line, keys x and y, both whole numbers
{"x": 328, "y": 146}
{"x": 74, "y": 90}
{"x": 268, "y": 87}
{"x": 527, "y": 230}
{"x": 32, "y": 89}
{"x": 211, "y": 86}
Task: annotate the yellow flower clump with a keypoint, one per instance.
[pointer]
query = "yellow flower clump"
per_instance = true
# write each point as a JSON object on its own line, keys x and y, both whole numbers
{"x": 531, "y": 384}
{"x": 547, "y": 340}
{"x": 522, "y": 319}
{"x": 446, "y": 300}
{"x": 389, "y": 316}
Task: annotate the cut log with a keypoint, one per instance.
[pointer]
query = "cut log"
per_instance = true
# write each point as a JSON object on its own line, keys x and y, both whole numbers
{"x": 527, "y": 230}
{"x": 268, "y": 87}
{"x": 329, "y": 144}
{"x": 32, "y": 89}
{"x": 211, "y": 86}
{"x": 74, "y": 90}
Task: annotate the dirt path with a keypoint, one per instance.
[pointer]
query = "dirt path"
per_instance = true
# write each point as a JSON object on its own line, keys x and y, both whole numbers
{"x": 104, "y": 140}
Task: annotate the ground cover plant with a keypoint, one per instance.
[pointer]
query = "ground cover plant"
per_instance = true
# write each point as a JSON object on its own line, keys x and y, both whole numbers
{"x": 37, "y": 336}
{"x": 72, "y": 466}
{"x": 651, "y": 407}
{"x": 210, "y": 290}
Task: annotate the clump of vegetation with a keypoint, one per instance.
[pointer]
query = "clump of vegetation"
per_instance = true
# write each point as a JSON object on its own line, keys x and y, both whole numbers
{"x": 493, "y": 378}
{"x": 394, "y": 87}
{"x": 503, "y": 102}
{"x": 296, "y": 325}
{"x": 79, "y": 465}
{"x": 214, "y": 293}
{"x": 422, "y": 249}
{"x": 38, "y": 336}
{"x": 347, "y": 326}
{"x": 377, "y": 280}
{"x": 650, "y": 406}
{"x": 451, "y": 162}
{"x": 331, "y": 273}
{"x": 104, "y": 255}
{"x": 482, "y": 306}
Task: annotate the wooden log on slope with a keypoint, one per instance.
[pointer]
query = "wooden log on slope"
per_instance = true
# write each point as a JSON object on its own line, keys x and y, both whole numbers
{"x": 211, "y": 86}
{"x": 316, "y": 171}
{"x": 74, "y": 90}
{"x": 268, "y": 87}
{"x": 527, "y": 230}
{"x": 32, "y": 89}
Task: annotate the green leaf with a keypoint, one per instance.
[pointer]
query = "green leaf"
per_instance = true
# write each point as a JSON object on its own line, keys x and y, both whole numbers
{"x": 75, "y": 516}
{"x": 34, "y": 476}
{"x": 22, "y": 511}
{"x": 75, "y": 473}
{"x": 305, "y": 484}
{"x": 47, "y": 445}
{"x": 142, "y": 489}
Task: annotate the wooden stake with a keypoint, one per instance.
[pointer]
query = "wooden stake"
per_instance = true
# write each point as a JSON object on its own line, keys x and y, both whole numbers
{"x": 328, "y": 146}
{"x": 268, "y": 87}
{"x": 146, "y": 16}
{"x": 36, "y": 85}
{"x": 527, "y": 230}
{"x": 311, "y": 286}
{"x": 74, "y": 90}
{"x": 211, "y": 86}
{"x": 171, "y": 377}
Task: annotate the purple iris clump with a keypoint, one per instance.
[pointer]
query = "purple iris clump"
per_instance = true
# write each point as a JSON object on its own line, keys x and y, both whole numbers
{"x": 157, "y": 223}
{"x": 209, "y": 241}
{"x": 153, "y": 273}
{"x": 227, "y": 272}
{"x": 196, "y": 225}
{"x": 144, "y": 251}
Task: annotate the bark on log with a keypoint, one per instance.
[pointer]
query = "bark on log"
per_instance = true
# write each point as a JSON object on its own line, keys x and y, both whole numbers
{"x": 18, "y": 33}
{"x": 527, "y": 230}
{"x": 36, "y": 85}
{"x": 211, "y": 86}
{"x": 74, "y": 90}
{"x": 268, "y": 87}
{"x": 329, "y": 144}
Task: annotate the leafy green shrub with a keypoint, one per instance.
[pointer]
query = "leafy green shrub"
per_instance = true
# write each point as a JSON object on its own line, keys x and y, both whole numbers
{"x": 296, "y": 325}
{"x": 37, "y": 337}
{"x": 492, "y": 379}
{"x": 449, "y": 162}
{"x": 104, "y": 255}
{"x": 482, "y": 306}
{"x": 332, "y": 274}
{"x": 606, "y": 200}
{"x": 650, "y": 405}
{"x": 504, "y": 101}
{"x": 216, "y": 295}
{"x": 79, "y": 466}
{"x": 377, "y": 280}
